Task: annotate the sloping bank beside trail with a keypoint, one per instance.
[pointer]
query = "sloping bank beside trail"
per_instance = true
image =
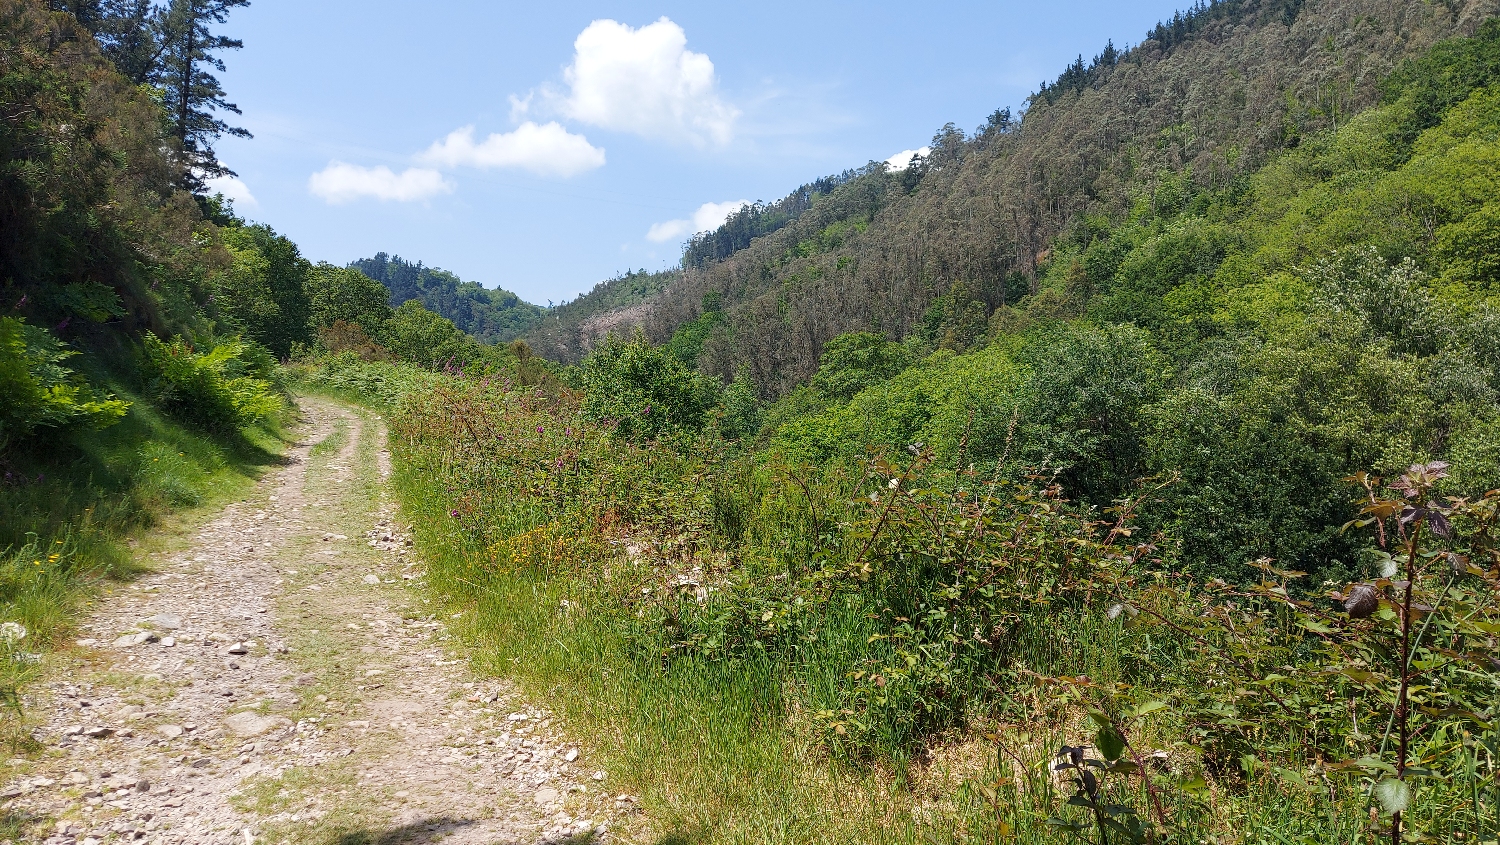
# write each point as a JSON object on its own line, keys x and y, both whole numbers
{"x": 890, "y": 650}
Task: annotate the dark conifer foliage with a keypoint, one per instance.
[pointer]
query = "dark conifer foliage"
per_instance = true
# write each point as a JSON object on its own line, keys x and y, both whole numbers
{"x": 128, "y": 34}
{"x": 191, "y": 93}
{"x": 173, "y": 47}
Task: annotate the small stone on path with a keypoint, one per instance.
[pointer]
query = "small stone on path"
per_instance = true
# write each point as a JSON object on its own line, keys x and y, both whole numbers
{"x": 248, "y": 724}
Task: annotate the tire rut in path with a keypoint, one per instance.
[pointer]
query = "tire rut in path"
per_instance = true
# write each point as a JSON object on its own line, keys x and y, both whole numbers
{"x": 279, "y": 680}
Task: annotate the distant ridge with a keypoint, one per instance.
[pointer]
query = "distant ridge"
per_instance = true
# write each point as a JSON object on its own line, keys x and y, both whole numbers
{"x": 492, "y": 315}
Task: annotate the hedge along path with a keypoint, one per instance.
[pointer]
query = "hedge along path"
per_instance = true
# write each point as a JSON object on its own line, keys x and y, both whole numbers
{"x": 282, "y": 680}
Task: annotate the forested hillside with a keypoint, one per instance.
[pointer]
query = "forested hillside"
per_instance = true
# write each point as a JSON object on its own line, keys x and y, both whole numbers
{"x": 1159, "y": 425}
{"x": 490, "y": 314}
{"x": 567, "y": 333}
{"x": 1209, "y": 98}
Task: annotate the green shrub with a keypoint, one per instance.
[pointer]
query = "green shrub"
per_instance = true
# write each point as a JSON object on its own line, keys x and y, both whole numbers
{"x": 229, "y": 387}
{"x": 645, "y": 391}
{"x": 39, "y": 391}
{"x": 262, "y": 293}
{"x": 340, "y": 294}
{"x": 858, "y": 360}
{"x": 417, "y": 335}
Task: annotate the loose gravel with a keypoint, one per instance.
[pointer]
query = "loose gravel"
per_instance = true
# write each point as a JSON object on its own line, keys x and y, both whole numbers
{"x": 280, "y": 680}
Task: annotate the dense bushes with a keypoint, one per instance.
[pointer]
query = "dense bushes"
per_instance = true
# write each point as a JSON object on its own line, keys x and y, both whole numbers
{"x": 899, "y": 599}
{"x": 263, "y": 292}
{"x": 644, "y": 392}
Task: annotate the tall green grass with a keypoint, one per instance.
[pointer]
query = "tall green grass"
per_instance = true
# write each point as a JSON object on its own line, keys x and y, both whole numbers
{"x": 710, "y": 747}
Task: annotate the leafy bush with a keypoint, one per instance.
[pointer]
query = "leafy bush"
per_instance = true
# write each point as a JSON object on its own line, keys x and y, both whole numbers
{"x": 262, "y": 292}
{"x": 39, "y": 391}
{"x": 339, "y": 294}
{"x": 742, "y": 413}
{"x": 645, "y": 392}
{"x": 228, "y": 388}
{"x": 858, "y": 360}
{"x": 342, "y": 337}
{"x": 417, "y": 335}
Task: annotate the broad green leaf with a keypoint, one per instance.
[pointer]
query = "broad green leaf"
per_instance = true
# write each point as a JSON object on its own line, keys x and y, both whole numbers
{"x": 1393, "y": 795}
{"x": 1375, "y": 764}
{"x": 1148, "y": 707}
{"x": 1110, "y": 743}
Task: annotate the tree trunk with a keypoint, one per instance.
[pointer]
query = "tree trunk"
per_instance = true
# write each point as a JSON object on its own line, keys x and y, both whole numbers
{"x": 186, "y": 81}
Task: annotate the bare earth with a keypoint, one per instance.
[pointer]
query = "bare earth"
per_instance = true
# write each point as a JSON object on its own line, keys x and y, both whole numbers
{"x": 280, "y": 680}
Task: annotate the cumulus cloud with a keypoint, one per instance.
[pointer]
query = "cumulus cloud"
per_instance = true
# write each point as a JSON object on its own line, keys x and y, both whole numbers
{"x": 341, "y": 183}
{"x": 546, "y": 150}
{"x": 234, "y": 189}
{"x": 902, "y": 160}
{"x": 644, "y": 81}
{"x": 709, "y": 216}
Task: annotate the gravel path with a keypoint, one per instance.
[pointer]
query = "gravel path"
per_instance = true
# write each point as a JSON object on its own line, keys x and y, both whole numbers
{"x": 279, "y": 681}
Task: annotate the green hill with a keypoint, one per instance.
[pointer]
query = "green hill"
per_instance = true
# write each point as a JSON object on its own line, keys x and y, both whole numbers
{"x": 490, "y": 314}
{"x": 1199, "y": 105}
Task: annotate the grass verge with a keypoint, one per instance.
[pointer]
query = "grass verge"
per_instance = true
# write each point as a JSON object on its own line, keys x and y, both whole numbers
{"x": 712, "y": 750}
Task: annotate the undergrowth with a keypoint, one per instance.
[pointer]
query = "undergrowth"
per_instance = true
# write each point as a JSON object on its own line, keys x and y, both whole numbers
{"x": 893, "y": 650}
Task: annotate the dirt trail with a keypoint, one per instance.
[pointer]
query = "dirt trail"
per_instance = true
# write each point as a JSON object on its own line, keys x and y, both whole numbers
{"x": 280, "y": 680}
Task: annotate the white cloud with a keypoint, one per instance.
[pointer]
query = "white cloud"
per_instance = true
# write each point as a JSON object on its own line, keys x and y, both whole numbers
{"x": 645, "y": 81}
{"x": 709, "y": 216}
{"x": 902, "y": 160}
{"x": 547, "y": 150}
{"x": 234, "y": 189}
{"x": 341, "y": 183}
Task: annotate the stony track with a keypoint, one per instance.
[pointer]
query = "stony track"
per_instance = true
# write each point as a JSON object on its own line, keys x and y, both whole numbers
{"x": 279, "y": 679}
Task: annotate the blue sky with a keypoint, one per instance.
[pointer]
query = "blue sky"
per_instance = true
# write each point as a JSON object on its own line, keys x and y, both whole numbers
{"x": 545, "y": 147}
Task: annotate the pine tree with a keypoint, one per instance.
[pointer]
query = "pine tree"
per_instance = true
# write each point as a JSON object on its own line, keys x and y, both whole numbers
{"x": 191, "y": 93}
{"x": 88, "y": 12}
{"x": 127, "y": 32}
